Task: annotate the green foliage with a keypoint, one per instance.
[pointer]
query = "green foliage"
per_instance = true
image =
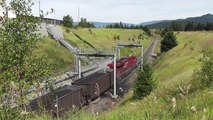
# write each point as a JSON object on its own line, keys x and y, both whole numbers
{"x": 67, "y": 30}
{"x": 84, "y": 24}
{"x": 147, "y": 30}
{"x": 67, "y": 21}
{"x": 204, "y": 76}
{"x": 164, "y": 32}
{"x": 116, "y": 37}
{"x": 177, "y": 26}
{"x": 20, "y": 64}
{"x": 191, "y": 26}
{"x": 144, "y": 83}
{"x": 124, "y": 26}
{"x": 169, "y": 41}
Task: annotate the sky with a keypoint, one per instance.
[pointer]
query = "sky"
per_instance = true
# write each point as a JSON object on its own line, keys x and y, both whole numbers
{"x": 129, "y": 11}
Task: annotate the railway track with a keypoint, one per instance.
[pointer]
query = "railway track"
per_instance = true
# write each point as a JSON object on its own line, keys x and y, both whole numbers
{"x": 91, "y": 87}
{"x": 148, "y": 52}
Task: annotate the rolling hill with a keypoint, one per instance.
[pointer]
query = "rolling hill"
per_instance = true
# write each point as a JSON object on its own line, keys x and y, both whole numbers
{"x": 166, "y": 23}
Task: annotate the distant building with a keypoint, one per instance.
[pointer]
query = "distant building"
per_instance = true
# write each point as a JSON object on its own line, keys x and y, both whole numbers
{"x": 52, "y": 21}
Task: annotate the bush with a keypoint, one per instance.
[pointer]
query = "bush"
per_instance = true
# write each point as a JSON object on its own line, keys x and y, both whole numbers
{"x": 118, "y": 37}
{"x": 144, "y": 83}
{"x": 147, "y": 31}
{"x": 67, "y": 30}
{"x": 203, "y": 77}
{"x": 164, "y": 31}
{"x": 169, "y": 41}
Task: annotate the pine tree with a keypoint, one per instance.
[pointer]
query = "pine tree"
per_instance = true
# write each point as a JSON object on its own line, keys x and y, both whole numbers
{"x": 144, "y": 83}
{"x": 169, "y": 41}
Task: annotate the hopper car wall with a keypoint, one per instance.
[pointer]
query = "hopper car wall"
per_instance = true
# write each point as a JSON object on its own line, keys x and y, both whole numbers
{"x": 72, "y": 101}
{"x": 69, "y": 98}
{"x": 41, "y": 101}
{"x": 94, "y": 85}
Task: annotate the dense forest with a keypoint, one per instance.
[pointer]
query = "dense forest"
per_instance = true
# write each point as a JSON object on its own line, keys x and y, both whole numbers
{"x": 191, "y": 26}
{"x": 125, "y": 26}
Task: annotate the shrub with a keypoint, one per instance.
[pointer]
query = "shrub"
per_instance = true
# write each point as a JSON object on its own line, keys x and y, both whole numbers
{"x": 147, "y": 31}
{"x": 144, "y": 83}
{"x": 203, "y": 77}
{"x": 118, "y": 37}
{"x": 67, "y": 30}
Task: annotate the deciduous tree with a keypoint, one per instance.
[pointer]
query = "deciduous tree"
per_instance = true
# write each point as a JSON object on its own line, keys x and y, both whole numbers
{"x": 21, "y": 63}
{"x": 67, "y": 21}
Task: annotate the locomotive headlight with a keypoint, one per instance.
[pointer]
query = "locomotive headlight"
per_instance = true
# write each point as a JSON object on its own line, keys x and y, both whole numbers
{"x": 56, "y": 105}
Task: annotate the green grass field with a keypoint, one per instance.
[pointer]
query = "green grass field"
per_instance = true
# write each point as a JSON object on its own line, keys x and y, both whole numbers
{"x": 62, "y": 57}
{"x": 101, "y": 38}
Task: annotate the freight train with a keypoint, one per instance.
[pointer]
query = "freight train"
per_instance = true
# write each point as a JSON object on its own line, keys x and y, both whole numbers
{"x": 84, "y": 90}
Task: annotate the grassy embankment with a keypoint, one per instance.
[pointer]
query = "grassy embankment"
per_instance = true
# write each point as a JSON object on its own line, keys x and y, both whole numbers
{"x": 102, "y": 39}
{"x": 173, "y": 73}
{"x": 174, "y": 96}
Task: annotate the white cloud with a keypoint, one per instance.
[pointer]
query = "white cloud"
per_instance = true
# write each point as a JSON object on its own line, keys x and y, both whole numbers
{"x": 133, "y": 11}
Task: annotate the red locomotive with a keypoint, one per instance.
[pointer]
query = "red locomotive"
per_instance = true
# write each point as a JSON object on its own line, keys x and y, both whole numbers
{"x": 123, "y": 66}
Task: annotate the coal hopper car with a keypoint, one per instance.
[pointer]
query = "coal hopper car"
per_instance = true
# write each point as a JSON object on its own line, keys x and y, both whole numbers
{"x": 94, "y": 85}
{"x": 62, "y": 100}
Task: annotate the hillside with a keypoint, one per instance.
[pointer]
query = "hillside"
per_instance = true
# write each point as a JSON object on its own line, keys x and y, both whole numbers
{"x": 102, "y": 39}
{"x": 173, "y": 75}
{"x": 202, "y": 19}
{"x": 173, "y": 70}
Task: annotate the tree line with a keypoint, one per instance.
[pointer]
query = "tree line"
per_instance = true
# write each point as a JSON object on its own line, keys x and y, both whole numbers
{"x": 125, "y": 26}
{"x": 191, "y": 26}
{"x": 68, "y": 22}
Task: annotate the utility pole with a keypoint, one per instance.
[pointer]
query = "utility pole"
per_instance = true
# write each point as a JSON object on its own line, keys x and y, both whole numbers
{"x": 56, "y": 105}
{"x": 39, "y": 8}
{"x": 78, "y": 15}
{"x": 6, "y": 9}
{"x": 54, "y": 19}
{"x": 114, "y": 64}
{"x": 142, "y": 57}
{"x": 79, "y": 68}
